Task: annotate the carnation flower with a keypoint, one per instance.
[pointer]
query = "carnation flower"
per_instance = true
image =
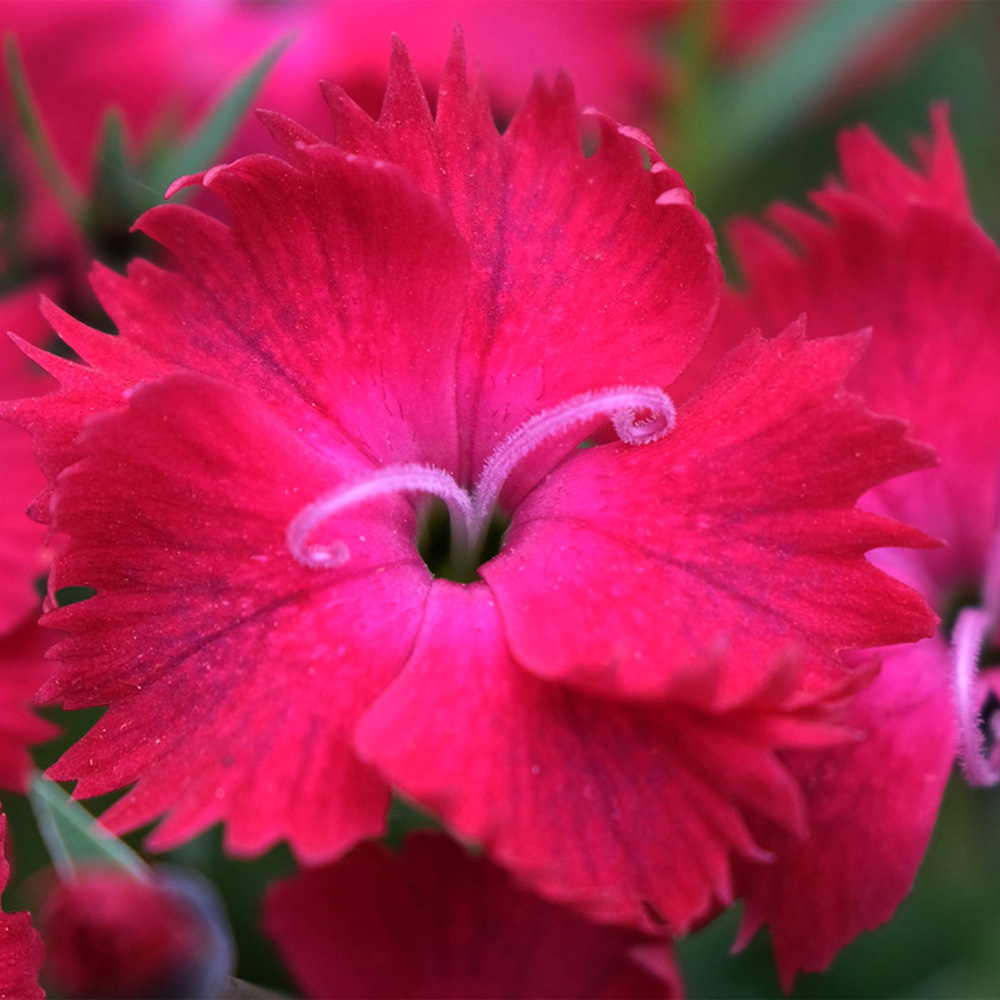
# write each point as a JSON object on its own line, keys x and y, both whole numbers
{"x": 20, "y": 946}
{"x": 597, "y": 664}
{"x": 898, "y": 252}
{"x": 437, "y": 922}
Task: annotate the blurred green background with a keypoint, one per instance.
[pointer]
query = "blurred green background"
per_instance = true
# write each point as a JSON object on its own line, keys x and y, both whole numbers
{"x": 743, "y": 137}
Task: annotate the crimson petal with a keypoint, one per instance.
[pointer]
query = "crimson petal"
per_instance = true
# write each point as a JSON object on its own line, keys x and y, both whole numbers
{"x": 872, "y": 807}
{"x": 20, "y": 946}
{"x": 629, "y": 812}
{"x": 737, "y": 532}
{"x": 437, "y": 922}
{"x": 233, "y": 673}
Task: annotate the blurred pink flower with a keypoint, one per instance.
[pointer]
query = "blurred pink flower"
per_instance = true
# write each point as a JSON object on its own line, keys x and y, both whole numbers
{"x": 437, "y": 922}
{"x": 898, "y": 252}
{"x": 23, "y": 554}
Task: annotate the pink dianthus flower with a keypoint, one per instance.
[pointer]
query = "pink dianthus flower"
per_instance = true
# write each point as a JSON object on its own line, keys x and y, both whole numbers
{"x": 437, "y": 922}
{"x": 898, "y": 252}
{"x": 604, "y": 694}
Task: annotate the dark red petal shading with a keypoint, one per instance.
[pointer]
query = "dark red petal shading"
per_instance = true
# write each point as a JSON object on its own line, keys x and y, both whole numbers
{"x": 234, "y": 674}
{"x": 872, "y": 807}
{"x": 20, "y": 946}
{"x": 736, "y": 534}
{"x": 928, "y": 283}
{"x": 23, "y": 669}
{"x": 439, "y": 922}
{"x": 629, "y": 812}
{"x": 587, "y": 271}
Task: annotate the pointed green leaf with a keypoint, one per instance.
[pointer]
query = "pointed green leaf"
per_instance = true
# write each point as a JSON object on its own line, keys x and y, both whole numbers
{"x": 120, "y": 193}
{"x": 27, "y": 111}
{"x": 216, "y": 128}
{"x": 74, "y": 838}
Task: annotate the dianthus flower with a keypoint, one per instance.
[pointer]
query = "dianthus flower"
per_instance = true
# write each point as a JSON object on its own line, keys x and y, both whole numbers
{"x": 437, "y": 922}
{"x": 20, "y": 946}
{"x": 900, "y": 253}
{"x": 598, "y": 671}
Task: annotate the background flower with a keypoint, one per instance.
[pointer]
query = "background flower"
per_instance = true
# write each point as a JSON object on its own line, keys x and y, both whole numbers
{"x": 436, "y": 921}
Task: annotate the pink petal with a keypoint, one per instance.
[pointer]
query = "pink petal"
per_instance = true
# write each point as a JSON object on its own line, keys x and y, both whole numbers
{"x": 55, "y": 420}
{"x": 438, "y": 922}
{"x": 23, "y": 669}
{"x": 20, "y": 946}
{"x": 877, "y": 174}
{"x": 23, "y": 557}
{"x": 338, "y": 289}
{"x": 871, "y": 806}
{"x": 573, "y": 256}
{"x": 631, "y": 813}
{"x": 234, "y": 674}
{"x": 737, "y": 532}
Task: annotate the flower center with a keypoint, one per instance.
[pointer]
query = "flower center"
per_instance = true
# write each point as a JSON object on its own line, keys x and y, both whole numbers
{"x": 470, "y": 521}
{"x": 434, "y": 543}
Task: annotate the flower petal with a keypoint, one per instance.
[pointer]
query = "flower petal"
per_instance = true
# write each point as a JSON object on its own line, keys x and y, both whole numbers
{"x": 629, "y": 812}
{"x": 877, "y": 174}
{"x": 233, "y": 673}
{"x": 22, "y": 550}
{"x": 872, "y": 806}
{"x": 338, "y": 288}
{"x": 588, "y": 271}
{"x": 926, "y": 279}
{"x": 735, "y": 533}
{"x": 20, "y": 946}
{"x": 438, "y": 922}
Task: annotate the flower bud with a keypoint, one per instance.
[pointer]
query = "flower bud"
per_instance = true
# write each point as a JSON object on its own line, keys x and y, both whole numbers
{"x": 108, "y": 934}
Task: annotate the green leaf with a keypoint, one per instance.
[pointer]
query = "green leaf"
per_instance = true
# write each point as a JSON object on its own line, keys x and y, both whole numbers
{"x": 76, "y": 840}
{"x": 730, "y": 119}
{"x": 119, "y": 193}
{"x": 216, "y": 128}
{"x": 27, "y": 111}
